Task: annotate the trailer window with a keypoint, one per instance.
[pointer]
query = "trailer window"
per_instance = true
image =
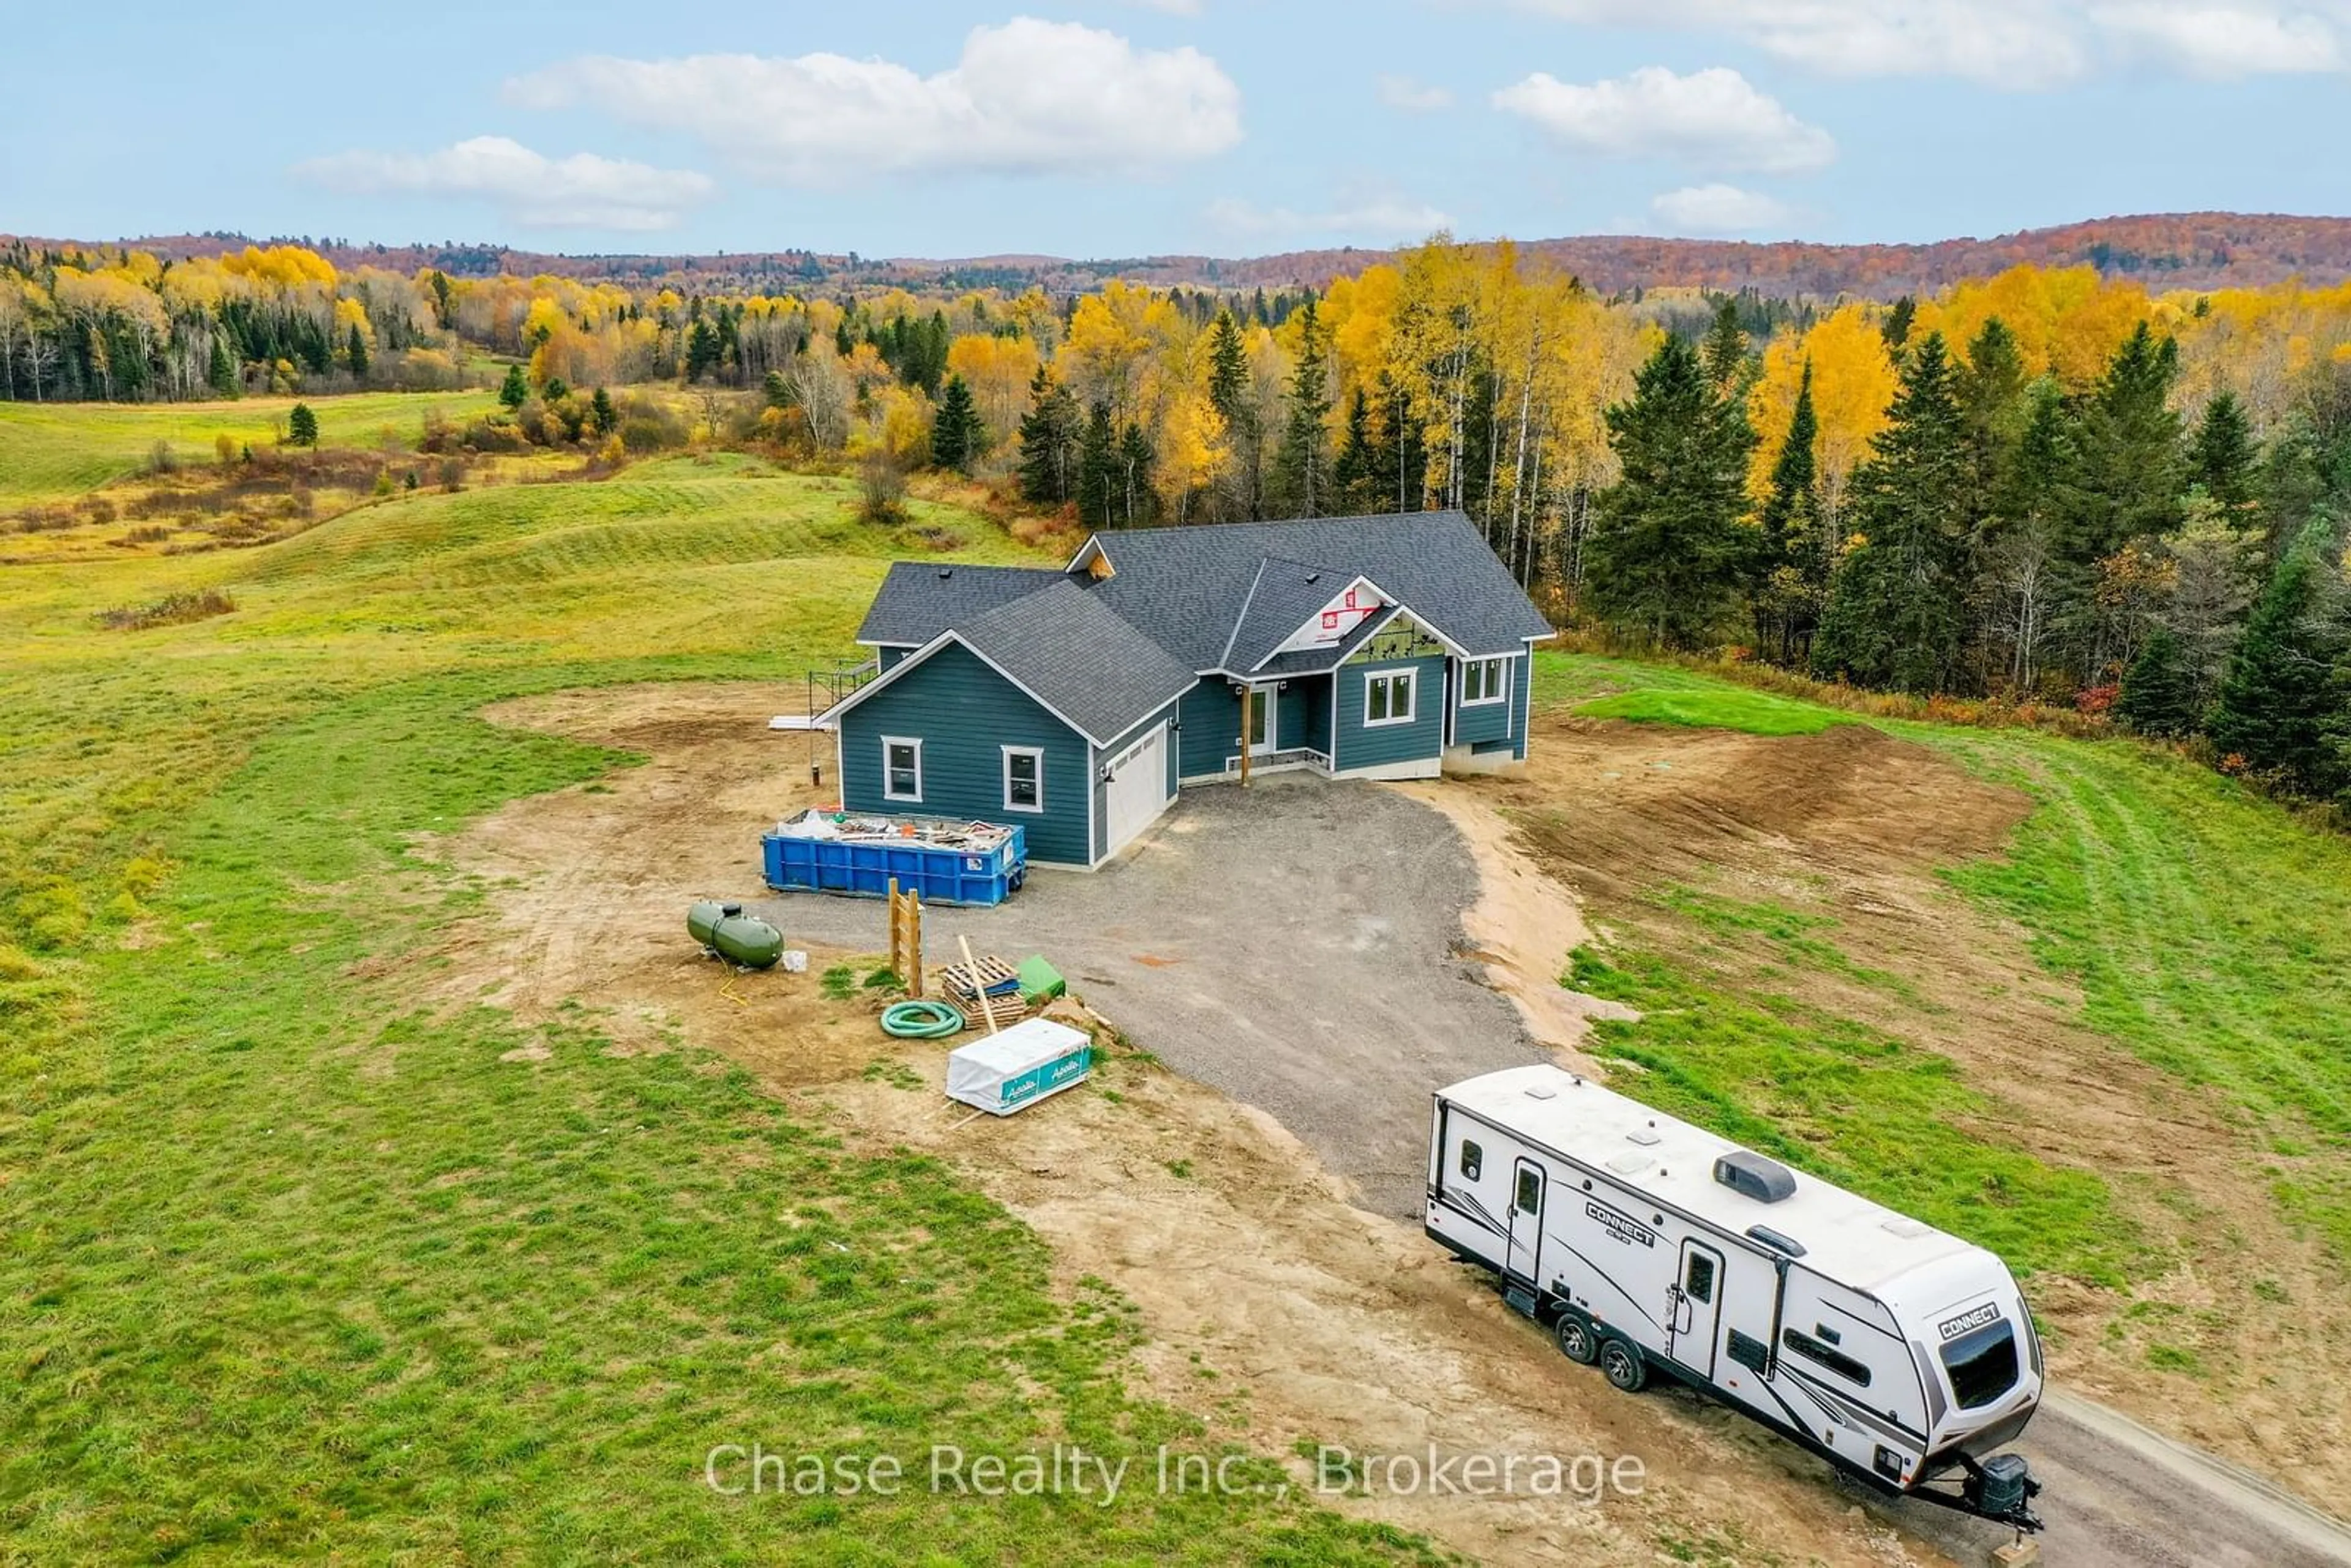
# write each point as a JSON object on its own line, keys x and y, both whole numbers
{"x": 1530, "y": 1190}
{"x": 1983, "y": 1364}
{"x": 1698, "y": 1281}
{"x": 1827, "y": 1355}
{"x": 1473, "y": 1159}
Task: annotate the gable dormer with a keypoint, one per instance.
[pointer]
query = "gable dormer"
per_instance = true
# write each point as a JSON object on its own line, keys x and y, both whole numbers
{"x": 1337, "y": 619}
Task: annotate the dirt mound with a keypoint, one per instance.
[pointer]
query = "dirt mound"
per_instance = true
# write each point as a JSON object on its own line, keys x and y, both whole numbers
{"x": 1615, "y": 807}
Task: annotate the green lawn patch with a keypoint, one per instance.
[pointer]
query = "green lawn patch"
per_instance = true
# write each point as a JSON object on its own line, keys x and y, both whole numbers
{"x": 1755, "y": 713}
{"x": 1855, "y": 1106}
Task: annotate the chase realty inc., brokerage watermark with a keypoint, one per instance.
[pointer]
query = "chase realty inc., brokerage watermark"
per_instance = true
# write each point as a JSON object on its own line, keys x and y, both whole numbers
{"x": 1067, "y": 1470}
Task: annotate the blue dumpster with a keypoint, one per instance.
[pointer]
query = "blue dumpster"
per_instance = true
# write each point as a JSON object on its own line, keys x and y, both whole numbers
{"x": 945, "y": 862}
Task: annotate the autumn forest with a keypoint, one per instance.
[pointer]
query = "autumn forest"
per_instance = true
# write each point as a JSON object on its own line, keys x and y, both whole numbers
{"x": 2042, "y": 487}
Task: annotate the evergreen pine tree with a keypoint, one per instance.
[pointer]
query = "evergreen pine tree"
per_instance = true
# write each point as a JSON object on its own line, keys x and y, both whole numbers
{"x": 2220, "y": 458}
{"x": 1789, "y": 577}
{"x": 1353, "y": 475}
{"x": 2278, "y": 702}
{"x": 2159, "y": 694}
{"x": 1399, "y": 453}
{"x": 2131, "y": 449}
{"x": 1049, "y": 439}
{"x": 1099, "y": 490}
{"x": 1667, "y": 548}
{"x": 355, "y": 351}
{"x": 1893, "y": 614}
{"x": 1230, "y": 389}
{"x": 514, "y": 391}
{"x": 222, "y": 372}
{"x": 1993, "y": 407}
{"x": 957, "y": 433}
{"x": 1135, "y": 494}
{"x": 1725, "y": 351}
{"x": 1896, "y": 328}
{"x": 302, "y": 426}
{"x": 1303, "y": 468}
{"x": 601, "y": 413}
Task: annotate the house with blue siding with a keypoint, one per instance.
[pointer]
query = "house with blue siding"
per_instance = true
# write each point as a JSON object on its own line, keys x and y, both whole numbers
{"x": 1080, "y": 701}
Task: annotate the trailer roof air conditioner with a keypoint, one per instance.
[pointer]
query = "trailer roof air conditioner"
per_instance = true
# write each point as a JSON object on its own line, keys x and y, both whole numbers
{"x": 1765, "y": 1181}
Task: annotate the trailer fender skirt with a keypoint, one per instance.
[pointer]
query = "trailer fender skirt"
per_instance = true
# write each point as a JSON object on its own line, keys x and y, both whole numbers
{"x": 921, "y": 1021}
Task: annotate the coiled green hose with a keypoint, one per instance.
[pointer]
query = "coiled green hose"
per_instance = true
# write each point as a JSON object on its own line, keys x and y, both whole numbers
{"x": 921, "y": 1021}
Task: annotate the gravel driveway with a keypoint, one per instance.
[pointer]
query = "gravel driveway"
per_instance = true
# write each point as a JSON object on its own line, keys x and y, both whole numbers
{"x": 1293, "y": 945}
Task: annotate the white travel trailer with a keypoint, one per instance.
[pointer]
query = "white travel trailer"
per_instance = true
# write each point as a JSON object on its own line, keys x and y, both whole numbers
{"x": 1903, "y": 1356}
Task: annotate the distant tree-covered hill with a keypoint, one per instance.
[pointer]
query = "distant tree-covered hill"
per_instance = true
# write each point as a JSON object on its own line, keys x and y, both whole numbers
{"x": 2162, "y": 251}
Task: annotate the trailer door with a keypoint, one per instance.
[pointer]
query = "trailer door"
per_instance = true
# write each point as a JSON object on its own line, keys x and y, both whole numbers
{"x": 1526, "y": 1220}
{"x": 1694, "y": 1303}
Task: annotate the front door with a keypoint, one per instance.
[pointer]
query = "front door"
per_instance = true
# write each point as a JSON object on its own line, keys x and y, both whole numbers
{"x": 1696, "y": 1302}
{"x": 1263, "y": 725}
{"x": 1526, "y": 1220}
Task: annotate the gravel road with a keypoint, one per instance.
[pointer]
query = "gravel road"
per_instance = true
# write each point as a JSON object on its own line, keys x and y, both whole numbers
{"x": 1296, "y": 946}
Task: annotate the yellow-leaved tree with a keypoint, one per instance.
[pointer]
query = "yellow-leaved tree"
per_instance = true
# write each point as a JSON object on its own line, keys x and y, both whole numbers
{"x": 1853, "y": 384}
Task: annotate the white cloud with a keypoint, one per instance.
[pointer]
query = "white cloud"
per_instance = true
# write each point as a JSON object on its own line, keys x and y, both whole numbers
{"x": 1712, "y": 119}
{"x": 1719, "y": 209}
{"x": 2222, "y": 42}
{"x": 2006, "y": 43}
{"x": 1379, "y": 220}
{"x": 530, "y": 188}
{"x": 1029, "y": 97}
{"x": 2018, "y": 44}
{"x": 1413, "y": 96}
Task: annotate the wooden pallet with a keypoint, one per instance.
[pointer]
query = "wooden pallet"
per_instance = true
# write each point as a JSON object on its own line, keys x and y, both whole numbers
{"x": 1009, "y": 1008}
{"x": 993, "y": 973}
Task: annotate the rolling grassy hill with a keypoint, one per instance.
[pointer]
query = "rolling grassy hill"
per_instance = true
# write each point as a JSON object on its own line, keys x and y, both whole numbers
{"x": 51, "y": 452}
{"x": 266, "y": 1297}
{"x": 2210, "y": 932}
{"x": 294, "y": 1265}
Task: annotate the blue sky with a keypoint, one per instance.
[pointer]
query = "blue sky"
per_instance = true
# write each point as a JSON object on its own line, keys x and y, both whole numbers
{"x": 1098, "y": 127}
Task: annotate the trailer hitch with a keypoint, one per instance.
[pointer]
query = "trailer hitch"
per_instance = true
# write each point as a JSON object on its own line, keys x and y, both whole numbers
{"x": 2000, "y": 1488}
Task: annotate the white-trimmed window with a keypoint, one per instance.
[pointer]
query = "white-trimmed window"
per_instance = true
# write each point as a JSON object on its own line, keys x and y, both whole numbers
{"x": 1484, "y": 681}
{"x": 901, "y": 768}
{"x": 1024, "y": 779}
{"x": 1387, "y": 696}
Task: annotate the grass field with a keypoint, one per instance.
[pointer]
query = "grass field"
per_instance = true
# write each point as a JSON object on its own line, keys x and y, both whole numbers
{"x": 1756, "y": 713}
{"x": 2209, "y": 931}
{"x": 51, "y": 452}
{"x": 293, "y": 1265}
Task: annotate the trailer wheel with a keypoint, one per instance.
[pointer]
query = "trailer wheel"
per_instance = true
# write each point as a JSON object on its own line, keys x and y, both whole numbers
{"x": 1620, "y": 1363}
{"x": 1576, "y": 1340}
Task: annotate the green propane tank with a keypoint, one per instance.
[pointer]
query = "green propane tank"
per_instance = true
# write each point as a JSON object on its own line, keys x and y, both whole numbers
{"x": 737, "y": 937}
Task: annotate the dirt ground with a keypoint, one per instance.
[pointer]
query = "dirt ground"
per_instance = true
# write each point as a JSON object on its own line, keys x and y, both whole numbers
{"x": 1274, "y": 1310}
{"x": 1849, "y": 823}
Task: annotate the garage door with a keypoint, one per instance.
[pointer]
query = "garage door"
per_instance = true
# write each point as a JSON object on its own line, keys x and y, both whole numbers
{"x": 1138, "y": 787}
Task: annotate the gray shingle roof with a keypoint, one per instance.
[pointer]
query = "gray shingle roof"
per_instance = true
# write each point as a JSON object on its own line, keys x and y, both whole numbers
{"x": 1079, "y": 658}
{"x": 1184, "y": 587}
{"x": 1108, "y": 654}
{"x": 1282, "y": 598}
{"x": 919, "y": 600}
